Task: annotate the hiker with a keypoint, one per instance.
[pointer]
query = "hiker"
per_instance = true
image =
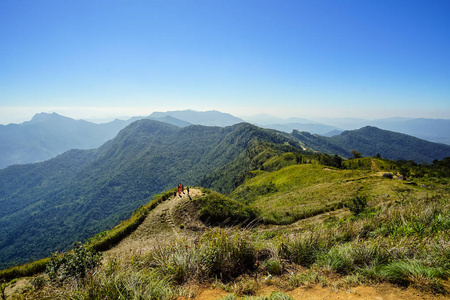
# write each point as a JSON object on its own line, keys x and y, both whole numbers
{"x": 182, "y": 189}
{"x": 187, "y": 190}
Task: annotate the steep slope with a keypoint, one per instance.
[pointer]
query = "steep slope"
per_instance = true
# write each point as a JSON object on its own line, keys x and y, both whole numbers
{"x": 80, "y": 193}
{"x": 162, "y": 225}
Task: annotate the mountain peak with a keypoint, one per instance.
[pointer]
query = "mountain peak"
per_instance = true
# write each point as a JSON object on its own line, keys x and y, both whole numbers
{"x": 208, "y": 118}
{"x": 43, "y": 117}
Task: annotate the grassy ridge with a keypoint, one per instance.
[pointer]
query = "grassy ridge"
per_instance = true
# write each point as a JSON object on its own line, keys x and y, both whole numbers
{"x": 401, "y": 237}
{"x": 26, "y": 270}
{"x": 106, "y": 240}
{"x": 381, "y": 244}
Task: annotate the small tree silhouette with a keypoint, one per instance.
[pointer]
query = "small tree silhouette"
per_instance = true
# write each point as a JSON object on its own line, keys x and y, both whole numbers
{"x": 356, "y": 154}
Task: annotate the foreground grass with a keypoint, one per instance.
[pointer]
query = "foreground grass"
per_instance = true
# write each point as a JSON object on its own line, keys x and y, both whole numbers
{"x": 405, "y": 242}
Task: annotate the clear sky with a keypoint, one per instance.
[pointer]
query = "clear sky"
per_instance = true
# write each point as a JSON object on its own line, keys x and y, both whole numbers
{"x": 98, "y": 58}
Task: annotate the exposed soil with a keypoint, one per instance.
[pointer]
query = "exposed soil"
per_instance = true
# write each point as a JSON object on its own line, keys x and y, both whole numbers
{"x": 164, "y": 224}
{"x": 317, "y": 292}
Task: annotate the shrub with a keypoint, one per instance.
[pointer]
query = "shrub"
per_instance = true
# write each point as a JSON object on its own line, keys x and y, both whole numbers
{"x": 218, "y": 254}
{"x": 357, "y": 205}
{"x": 304, "y": 249}
{"x": 24, "y": 270}
{"x": 279, "y": 296}
{"x": 181, "y": 262}
{"x": 124, "y": 284}
{"x": 413, "y": 272}
{"x": 338, "y": 259}
{"x": 75, "y": 264}
{"x": 218, "y": 209}
{"x": 229, "y": 255}
{"x": 298, "y": 279}
{"x": 273, "y": 266}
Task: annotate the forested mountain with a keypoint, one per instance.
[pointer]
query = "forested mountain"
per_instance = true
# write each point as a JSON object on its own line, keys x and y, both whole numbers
{"x": 46, "y": 206}
{"x": 371, "y": 141}
{"x": 48, "y": 135}
{"x": 433, "y": 130}
{"x": 320, "y": 143}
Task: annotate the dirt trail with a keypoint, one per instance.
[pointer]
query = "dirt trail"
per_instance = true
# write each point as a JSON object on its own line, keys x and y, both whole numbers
{"x": 159, "y": 227}
{"x": 383, "y": 291}
{"x": 178, "y": 218}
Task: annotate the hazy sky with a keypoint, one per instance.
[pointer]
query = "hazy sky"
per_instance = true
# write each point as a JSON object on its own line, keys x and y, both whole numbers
{"x": 88, "y": 59}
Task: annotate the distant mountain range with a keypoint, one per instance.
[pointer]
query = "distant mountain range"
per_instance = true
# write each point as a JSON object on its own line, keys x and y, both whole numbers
{"x": 433, "y": 130}
{"x": 48, "y": 135}
{"x": 371, "y": 141}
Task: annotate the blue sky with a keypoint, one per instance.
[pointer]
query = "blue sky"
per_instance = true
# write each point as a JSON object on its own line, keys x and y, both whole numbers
{"x": 93, "y": 59}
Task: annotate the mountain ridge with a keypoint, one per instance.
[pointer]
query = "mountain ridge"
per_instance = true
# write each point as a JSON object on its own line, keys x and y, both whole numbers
{"x": 371, "y": 141}
{"x": 106, "y": 184}
{"x": 47, "y": 135}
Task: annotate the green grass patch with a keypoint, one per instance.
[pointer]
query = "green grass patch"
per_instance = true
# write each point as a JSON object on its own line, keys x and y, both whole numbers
{"x": 25, "y": 270}
{"x": 300, "y": 191}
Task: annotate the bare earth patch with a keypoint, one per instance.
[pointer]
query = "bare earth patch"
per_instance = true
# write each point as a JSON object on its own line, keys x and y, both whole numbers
{"x": 383, "y": 291}
{"x": 161, "y": 226}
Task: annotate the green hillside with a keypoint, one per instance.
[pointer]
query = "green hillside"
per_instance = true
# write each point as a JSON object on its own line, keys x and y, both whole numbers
{"x": 302, "y": 190}
{"x": 49, "y": 205}
{"x": 305, "y": 223}
{"x": 80, "y": 193}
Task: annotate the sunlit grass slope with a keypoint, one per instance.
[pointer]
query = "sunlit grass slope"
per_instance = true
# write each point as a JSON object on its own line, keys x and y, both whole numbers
{"x": 298, "y": 191}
